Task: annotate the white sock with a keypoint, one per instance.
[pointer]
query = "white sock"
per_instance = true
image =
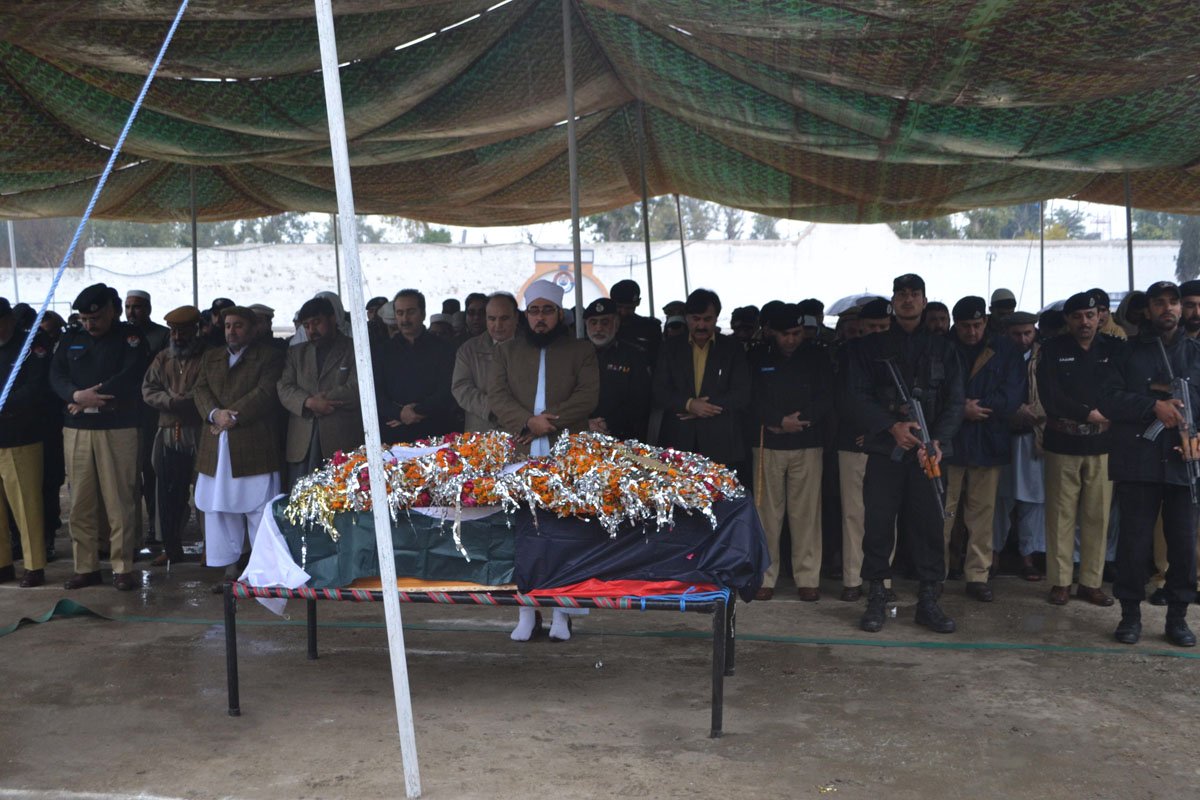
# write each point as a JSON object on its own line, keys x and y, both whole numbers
{"x": 559, "y": 629}
{"x": 526, "y": 619}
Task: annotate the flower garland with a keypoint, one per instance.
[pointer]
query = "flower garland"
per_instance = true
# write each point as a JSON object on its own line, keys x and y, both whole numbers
{"x": 587, "y": 475}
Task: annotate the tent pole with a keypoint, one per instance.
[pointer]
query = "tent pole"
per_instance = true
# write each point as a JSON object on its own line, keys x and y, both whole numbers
{"x": 366, "y": 393}
{"x": 337, "y": 259}
{"x": 12, "y": 261}
{"x": 573, "y": 165}
{"x": 682, "y": 244}
{"x": 641, "y": 140}
{"x": 195, "y": 254}
{"x": 1041, "y": 254}
{"x": 1128, "y": 231}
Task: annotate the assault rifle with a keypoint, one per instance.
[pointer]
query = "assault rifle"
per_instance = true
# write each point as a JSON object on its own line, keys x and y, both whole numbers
{"x": 1189, "y": 440}
{"x": 916, "y": 413}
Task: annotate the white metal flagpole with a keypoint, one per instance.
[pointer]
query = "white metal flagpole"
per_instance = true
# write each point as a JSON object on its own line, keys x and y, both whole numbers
{"x": 366, "y": 391}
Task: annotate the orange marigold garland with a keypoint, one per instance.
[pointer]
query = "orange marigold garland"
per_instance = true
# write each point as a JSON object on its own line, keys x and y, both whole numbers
{"x": 587, "y": 475}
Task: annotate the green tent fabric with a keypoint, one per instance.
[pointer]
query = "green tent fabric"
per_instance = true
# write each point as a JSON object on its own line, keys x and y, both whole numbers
{"x": 853, "y": 111}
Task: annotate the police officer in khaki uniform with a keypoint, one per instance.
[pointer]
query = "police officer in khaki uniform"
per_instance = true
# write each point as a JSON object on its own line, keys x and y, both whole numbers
{"x": 97, "y": 372}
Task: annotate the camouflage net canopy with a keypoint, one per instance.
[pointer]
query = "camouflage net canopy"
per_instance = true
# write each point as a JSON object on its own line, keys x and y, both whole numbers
{"x": 851, "y": 111}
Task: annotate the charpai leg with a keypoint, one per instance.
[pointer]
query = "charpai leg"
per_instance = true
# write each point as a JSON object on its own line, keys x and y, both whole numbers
{"x": 231, "y": 669}
{"x": 718, "y": 669}
{"x": 312, "y": 629}
{"x": 730, "y": 633}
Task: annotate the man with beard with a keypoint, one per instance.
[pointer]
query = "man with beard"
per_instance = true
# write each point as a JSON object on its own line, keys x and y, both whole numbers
{"x": 1022, "y": 483}
{"x": 702, "y": 384}
{"x": 896, "y": 483}
{"x": 412, "y": 376}
{"x": 473, "y": 361}
{"x": 238, "y": 456}
{"x": 1151, "y": 474}
{"x": 168, "y": 390}
{"x": 1189, "y": 302}
{"x": 624, "y": 407}
{"x": 937, "y": 318}
{"x": 791, "y": 404}
{"x": 1107, "y": 326}
{"x": 982, "y": 446}
{"x": 137, "y": 314}
{"x": 1069, "y": 375}
{"x": 97, "y": 373}
{"x": 319, "y": 388}
{"x": 543, "y": 382}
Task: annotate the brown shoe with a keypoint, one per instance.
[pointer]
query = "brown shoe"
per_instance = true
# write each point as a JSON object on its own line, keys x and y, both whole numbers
{"x": 33, "y": 577}
{"x": 764, "y": 593}
{"x": 808, "y": 594}
{"x": 1096, "y": 597}
{"x": 1059, "y": 595}
{"x": 124, "y": 581}
{"x": 851, "y": 594}
{"x": 161, "y": 560}
{"x": 82, "y": 579}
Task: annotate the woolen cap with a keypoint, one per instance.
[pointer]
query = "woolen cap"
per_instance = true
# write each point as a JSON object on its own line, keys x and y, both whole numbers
{"x": 1080, "y": 301}
{"x": 1003, "y": 296}
{"x": 184, "y": 315}
{"x": 1189, "y": 289}
{"x": 1021, "y": 318}
{"x": 969, "y": 308}
{"x": 625, "y": 292}
{"x": 784, "y": 316}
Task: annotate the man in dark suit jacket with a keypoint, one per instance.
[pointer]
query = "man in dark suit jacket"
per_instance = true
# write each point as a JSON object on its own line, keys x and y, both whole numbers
{"x": 702, "y": 384}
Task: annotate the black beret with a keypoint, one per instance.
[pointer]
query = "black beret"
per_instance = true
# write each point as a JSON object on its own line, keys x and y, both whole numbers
{"x": 783, "y": 317}
{"x": 1080, "y": 301}
{"x": 599, "y": 307}
{"x": 626, "y": 292}
{"x": 93, "y": 298}
{"x": 879, "y": 308}
{"x": 1101, "y": 296}
{"x": 969, "y": 307}
{"x": 811, "y": 307}
{"x": 1189, "y": 289}
{"x": 1162, "y": 287}
{"x": 909, "y": 281}
{"x": 221, "y": 303}
{"x": 5, "y": 308}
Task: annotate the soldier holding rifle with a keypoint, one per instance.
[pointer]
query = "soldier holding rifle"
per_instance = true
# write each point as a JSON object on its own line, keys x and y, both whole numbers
{"x": 1149, "y": 395}
{"x": 893, "y": 376}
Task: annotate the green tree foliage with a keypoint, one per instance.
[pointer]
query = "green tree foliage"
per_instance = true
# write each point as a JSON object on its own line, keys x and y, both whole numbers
{"x": 1156, "y": 224}
{"x": 700, "y": 218}
{"x": 1187, "y": 263}
{"x": 732, "y": 221}
{"x": 936, "y": 228}
{"x": 1004, "y": 222}
{"x": 764, "y": 227}
{"x": 367, "y": 233}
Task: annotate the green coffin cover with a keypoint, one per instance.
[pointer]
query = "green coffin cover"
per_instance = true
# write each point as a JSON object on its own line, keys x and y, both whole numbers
{"x": 424, "y": 548}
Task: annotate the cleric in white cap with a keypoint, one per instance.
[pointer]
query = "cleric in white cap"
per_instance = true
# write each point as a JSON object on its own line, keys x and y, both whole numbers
{"x": 543, "y": 382}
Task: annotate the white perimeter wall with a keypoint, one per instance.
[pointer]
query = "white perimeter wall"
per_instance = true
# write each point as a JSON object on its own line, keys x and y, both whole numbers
{"x": 826, "y": 261}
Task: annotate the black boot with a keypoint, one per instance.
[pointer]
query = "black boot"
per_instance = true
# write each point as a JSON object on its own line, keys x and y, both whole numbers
{"x": 1178, "y": 632}
{"x": 929, "y": 613}
{"x": 1129, "y": 629}
{"x": 876, "y": 613}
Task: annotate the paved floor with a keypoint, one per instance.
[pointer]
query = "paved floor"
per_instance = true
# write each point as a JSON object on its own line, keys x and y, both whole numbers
{"x": 1026, "y": 701}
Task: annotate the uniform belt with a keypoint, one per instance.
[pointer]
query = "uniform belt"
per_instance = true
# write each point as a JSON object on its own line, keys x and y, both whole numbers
{"x": 1072, "y": 428}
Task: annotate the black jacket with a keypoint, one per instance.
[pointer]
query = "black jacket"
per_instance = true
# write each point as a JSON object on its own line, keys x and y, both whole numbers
{"x": 117, "y": 360}
{"x": 1069, "y": 383}
{"x": 726, "y": 383}
{"x": 624, "y": 389}
{"x": 993, "y": 374}
{"x": 419, "y": 373}
{"x": 928, "y": 365}
{"x": 784, "y": 385}
{"x": 21, "y": 420}
{"x": 1134, "y": 381}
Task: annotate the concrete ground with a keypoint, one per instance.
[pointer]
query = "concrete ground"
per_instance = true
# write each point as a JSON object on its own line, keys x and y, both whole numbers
{"x": 1027, "y": 700}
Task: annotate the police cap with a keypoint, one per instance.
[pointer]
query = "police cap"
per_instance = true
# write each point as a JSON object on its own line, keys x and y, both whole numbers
{"x": 879, "y": 308}
{"x": 599, "y": 308}
{"x": 783, "y": 317}
{"x": 93, "y": 299}
{"x": 969, "y": 308}
{"x": 626, "y": 292}
{"x": 1080, "y": 301}
{"x": 1021, "y": 318}
{"x": 908, "y": 281}
{"x": 1162, "y": 287}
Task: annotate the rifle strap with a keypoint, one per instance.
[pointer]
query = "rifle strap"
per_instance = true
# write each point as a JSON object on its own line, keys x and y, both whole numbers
{"x": 981, "y": 360}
